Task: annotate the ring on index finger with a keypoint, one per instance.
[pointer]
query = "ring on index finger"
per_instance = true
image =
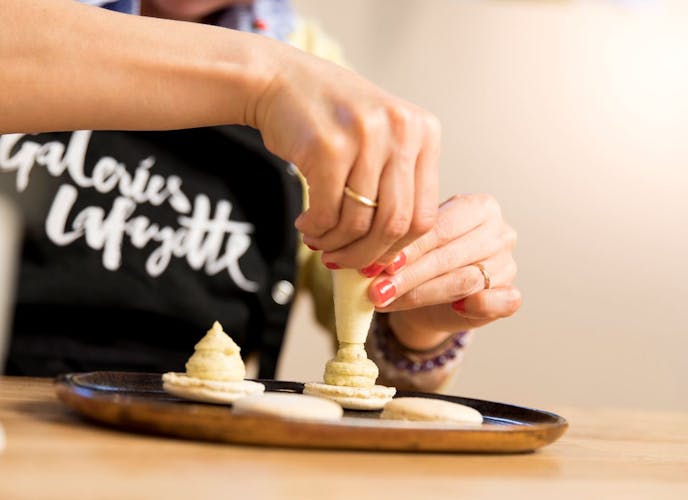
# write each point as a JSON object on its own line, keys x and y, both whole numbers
{"x": 359, "y": 197}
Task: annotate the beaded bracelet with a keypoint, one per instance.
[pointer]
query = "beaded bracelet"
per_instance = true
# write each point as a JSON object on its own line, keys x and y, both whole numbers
{"x": 402, "y": 357}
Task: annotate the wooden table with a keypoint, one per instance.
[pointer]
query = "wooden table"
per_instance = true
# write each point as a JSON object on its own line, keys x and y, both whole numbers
{"x": 53, "y": 453}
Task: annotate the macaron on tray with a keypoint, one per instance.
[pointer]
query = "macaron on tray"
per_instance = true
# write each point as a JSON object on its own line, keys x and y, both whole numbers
{"x": 213, "y": 401}
{"x": 215, "y": 373}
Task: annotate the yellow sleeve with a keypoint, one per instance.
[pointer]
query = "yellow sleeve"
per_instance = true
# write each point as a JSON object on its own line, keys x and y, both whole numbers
{"x": 315, "y": 278}
{"x": 309, "y": 37}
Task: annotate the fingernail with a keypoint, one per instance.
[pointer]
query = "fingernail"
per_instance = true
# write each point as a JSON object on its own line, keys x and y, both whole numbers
{"x": 312, "y": 247}
{"x": 459, "y": 305}
{"x": 372, "y": 270}
{"x": 384, "y": 290}
{"x": 398, "y": 262}
{"x": 331, "y": 265}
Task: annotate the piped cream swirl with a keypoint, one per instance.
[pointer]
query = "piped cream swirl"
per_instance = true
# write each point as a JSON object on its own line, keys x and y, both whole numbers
{"x": 216, "y": 357}
{"x": 351, "y": 367}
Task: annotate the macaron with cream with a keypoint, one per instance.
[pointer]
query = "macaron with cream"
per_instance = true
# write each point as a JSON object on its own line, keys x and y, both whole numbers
{"x": 350, "y": 377}
{"x": 214, "y": 373}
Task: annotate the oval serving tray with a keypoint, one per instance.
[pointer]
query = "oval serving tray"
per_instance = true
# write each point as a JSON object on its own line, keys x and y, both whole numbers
{"x": 137, "y": 402}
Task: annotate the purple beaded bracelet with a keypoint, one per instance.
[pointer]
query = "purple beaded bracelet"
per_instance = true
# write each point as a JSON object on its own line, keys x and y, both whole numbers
{"x": 397, "y": 354}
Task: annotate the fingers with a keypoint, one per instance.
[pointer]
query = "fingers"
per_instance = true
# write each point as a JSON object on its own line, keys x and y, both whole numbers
{"x": 440, "y": 288}
{"x": 405, "y": 189}
{"x": 325, "y": 186}
{"x": 426, "y": 191}
{"x": 473, "y": 312}
{"x": 437, "y": 268}
{"x": 392, "y": 218}
{"x": 401, "y": 292}
{"x": 355, "y": 218}
{"x": 445, "y": 274}
{"x": 488, "y": 305}
{"x": 458, "y": 216}
{"x": 354, "y": 222}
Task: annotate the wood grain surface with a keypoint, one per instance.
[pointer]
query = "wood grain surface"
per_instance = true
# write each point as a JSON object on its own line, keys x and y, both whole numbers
{"x": 54, "y": 453}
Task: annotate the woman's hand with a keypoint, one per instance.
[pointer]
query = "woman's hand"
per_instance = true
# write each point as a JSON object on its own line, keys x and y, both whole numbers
{"x": 335, "y": 126}
{"x": 439, "y": 290}
{"x": 341, "y": 130}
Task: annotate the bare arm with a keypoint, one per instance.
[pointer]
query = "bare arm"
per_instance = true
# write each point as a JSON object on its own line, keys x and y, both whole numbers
{"x": 69, "y": 66}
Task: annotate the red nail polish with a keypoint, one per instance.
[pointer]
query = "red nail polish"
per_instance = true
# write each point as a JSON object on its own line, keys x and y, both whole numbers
{"x": 372, "y": 270}
{"x": 259, "y": 24}
{"x": 331, "y": 265}
{"x": 398, "y": 262}
{"x": 312, "y": 247}
{"x": 459, "y": 305}
{"x": 384, "y": 290}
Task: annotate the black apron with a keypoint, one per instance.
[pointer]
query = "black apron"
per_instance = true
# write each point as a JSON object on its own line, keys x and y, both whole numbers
{"x": 135, "y": 242}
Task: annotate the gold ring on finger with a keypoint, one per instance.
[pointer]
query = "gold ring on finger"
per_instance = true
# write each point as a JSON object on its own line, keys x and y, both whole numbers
{"x": 359, "y": 197}
{"x": 486, "y": 275}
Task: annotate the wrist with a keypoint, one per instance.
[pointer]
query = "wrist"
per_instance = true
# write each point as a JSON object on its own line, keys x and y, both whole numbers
{"x": 239, "y": 68}
{"x": 260, "y": 75}
{"x": 190, "y": 74}
{"x": 415, "y": 338}
{"x": 396, "y": 350}
{"x": 411, "y": 369}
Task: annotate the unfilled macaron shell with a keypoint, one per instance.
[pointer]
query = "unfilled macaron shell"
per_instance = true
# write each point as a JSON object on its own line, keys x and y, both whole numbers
{"x": 289, "y": 405}
{"x": 430, "y": 410}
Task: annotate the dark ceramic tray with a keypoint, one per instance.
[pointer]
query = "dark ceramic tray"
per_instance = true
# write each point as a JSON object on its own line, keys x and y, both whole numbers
{"x": 136, "y": 402}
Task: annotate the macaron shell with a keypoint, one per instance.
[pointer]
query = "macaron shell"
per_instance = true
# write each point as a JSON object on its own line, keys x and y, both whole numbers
{"x": 359, "y": 403}
{"x": 289, "y": 405}
{"x": 431, "y": 410}
{"x": 209, "y": 391}
{"x": 352, "y": 398}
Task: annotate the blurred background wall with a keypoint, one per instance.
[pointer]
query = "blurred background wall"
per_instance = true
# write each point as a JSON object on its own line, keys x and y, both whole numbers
{"x": 574, "y": 114}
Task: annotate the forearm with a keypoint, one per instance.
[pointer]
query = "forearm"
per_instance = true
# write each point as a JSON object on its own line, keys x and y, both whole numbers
{"x": 67, "y": 66}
